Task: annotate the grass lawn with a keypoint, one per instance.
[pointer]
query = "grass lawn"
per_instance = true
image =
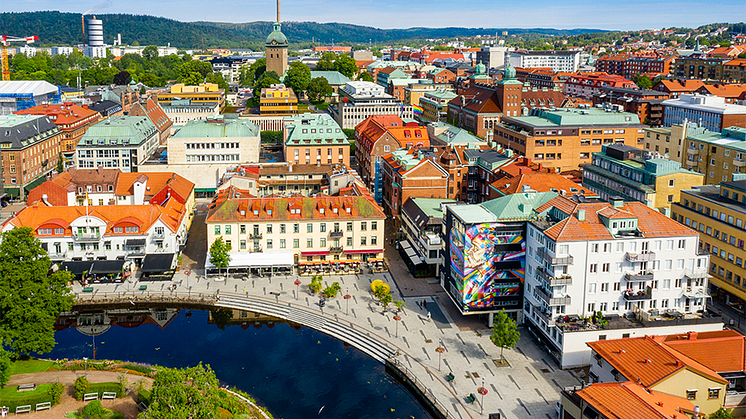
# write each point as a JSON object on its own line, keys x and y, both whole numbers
{"x": 30, "y": 365}
{"x": 11, "y": 393}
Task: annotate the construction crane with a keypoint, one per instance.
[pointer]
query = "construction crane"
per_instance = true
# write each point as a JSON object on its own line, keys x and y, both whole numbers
{"x": 5, "y": 40}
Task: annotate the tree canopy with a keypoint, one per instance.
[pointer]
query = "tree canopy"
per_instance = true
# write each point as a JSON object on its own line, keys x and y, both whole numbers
{"x": 298, "y": 77}
{"x": 31, "y": 298}
{"x": 505, "y": 332}
{"x": 219, "y": 255}
{"x": 319, "y": 88}
{"x": 190, "y": 393}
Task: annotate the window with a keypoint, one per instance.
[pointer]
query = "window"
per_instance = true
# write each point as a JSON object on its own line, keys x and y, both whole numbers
{"x": 363, "y": 241}
{"x": 296, "y": 243}
{"x": 322, "y": 227}
{"x": 217, "y": 229}
{"x": 242, "y": 244}
{"x": 309, "y": 228}
{"x": 349, "y": 226}
{"x": 269, "y": 228}
{"x": 713, "y": 393}
{"x": 282, "y": 243}
{"x": 605, "y": 267}
{"x": 363, "y": 226}
{"x": 349, "y": 241}
{"x": 296, "y": 228}
{"x": 374, "y": 225}
{"x": 605, "y": 287}
{"x": 309, "y": 243}
{"x": 227, "y": 229}
{"x": 594, "y": 268}
{"x": 682, "y": 244}
{"x": 671, "y": 183}
{"x": 282, "y": 228}
{"x": 594, "y": 248}
{"x": 591, "y": 289}
{"x": 242, "y": 229}
{"x": 374, "y": 241}
{"x": 269, "y": 243}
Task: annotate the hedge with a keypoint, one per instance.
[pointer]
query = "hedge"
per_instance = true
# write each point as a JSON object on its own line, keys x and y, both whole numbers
{"x": 144, "y": 396}
{"x": 11, "y": 397}
{"x": 100, "y": 388}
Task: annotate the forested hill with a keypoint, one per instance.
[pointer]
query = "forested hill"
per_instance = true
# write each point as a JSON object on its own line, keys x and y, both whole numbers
{"x": 56, "y": 28}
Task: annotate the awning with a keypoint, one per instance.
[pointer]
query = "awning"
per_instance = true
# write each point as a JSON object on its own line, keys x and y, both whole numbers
{"x": 35, "y": 183}
{"x": 275, "y": 258}
{"x": 13, "y": 192}
{"x": 77, "y": 267}
{"x": 319, "y": 253}
{"x": 157, "y": 262}
{"x": 362, "y": 251}
{"x": 107, "y": 266}
{"x": 411, "y": 252}
{"x": 135, "y": 242}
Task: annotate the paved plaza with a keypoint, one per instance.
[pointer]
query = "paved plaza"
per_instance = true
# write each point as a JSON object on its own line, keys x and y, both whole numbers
{"x": 529, "y": 387}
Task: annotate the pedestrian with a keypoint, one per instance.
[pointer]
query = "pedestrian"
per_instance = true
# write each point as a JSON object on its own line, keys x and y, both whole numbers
{"x": 428, "y": 316}
{"x": 424, "y": 303}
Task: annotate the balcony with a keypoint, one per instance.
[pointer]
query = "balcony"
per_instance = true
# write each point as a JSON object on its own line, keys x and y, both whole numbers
{"x": 739, "y": 162}
{"x": 87, "y": 237}
{"x": 560, "y": 301}
{"x": 543, "y": 295}
{"x": 645, "y": 256}
{"x": 158, "y": 235}
{"x": 735, "y": 398}
{"x": 554, "y": 260}
{"x": 552, "y": 301}
{"x": 547, "y": 317}
{"x": 57, "y": 255}
{"x": 692, "y": 151}
{"x": 543, "y": 275}
{"x": 430, "y": 241}
{"x": 255, "y": 236}
{"x": 336, "y": 233}
{"x": 638, "y": 295}
{"x": 255, "y": 249}
{"x": 699, "y": 273}
{"x": 639, "y": 276}
{"x": 561, "y": 280}
{"x": 336, "y": 250}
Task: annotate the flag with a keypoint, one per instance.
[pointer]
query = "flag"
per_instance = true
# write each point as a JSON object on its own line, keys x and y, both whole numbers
{"x": 417, "y": 109}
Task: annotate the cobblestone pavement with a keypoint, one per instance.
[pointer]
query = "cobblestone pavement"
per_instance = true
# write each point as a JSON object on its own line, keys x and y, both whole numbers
{"x": 528, "y": 388}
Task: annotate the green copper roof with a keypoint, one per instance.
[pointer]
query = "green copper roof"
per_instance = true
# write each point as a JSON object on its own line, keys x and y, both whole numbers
{"x": 335, "y": 78}
{"x": 517, "y": 206}
{"x": 276, "y": 38}
{"x": 314, "y": 129}
{"x": 441, "y": 94}
{"x": 731, "y": 137}
{"x": 472, "y": 214}
{"x": 576, "y": 117}
{"x": 136, "y": 129}
{"x": 454, "y": 135}
{"x": 226, "y": 129}
{"x": 431, "y": 206}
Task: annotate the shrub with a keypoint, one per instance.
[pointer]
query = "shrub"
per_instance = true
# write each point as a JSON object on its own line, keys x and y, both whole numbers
{"x": 100, "y": 388}
{"x": 332, "y": 290}
{"x": 55, "y": 392}
{"x": 93, "y": 410}
{"x": 81, "y": 385}
{"x": 144, "y": 396}
{"x": 10, "y": 397}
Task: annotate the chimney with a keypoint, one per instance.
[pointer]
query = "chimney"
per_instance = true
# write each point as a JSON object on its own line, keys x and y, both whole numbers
{"x": 581, "y": 215}
{"x": 44, "y": 199}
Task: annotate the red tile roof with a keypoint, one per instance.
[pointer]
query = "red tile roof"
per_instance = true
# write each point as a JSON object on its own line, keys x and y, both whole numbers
{"x": 154, "y": 112}
{"x": 540, "y": 182}
{"x": 63, "y": 114}
{"x": 629, "y": 400}
{"x": 721, "y": 351}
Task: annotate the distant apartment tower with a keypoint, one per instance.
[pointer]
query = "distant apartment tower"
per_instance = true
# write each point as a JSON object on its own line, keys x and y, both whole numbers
{"x": 566, "y": 61}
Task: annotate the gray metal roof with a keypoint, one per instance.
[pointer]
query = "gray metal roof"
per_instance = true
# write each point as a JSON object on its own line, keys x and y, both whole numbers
{"x": 24, "y": 130}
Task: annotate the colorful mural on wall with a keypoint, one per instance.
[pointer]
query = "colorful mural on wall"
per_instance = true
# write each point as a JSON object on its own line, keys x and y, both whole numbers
{"x": 473, "y": 263}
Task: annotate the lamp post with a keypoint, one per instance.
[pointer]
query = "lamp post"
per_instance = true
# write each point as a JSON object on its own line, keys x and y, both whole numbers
{"x": 397, "y": 318}
{"x": 85, "y": 366}
{"x": 482, "y": 390}
{"x": 347, "y": 297}
{"x": 297, "y": 288}
{"x": 440, "y": 349}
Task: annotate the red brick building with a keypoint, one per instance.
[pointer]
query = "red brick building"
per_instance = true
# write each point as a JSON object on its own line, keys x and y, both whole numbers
{"x": 647, "y": 104}
{"x": 630, "y": 64}
{"x": 587, "y": 84}
{"x": 73, "y": 120}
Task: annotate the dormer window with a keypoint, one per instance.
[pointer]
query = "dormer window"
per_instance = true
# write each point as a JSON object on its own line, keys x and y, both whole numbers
{"x": 243, "y": 212}
{"x": 269, "y": 212}
{"x": 335, "y": 210}
{"x": 256, "y": 212}
{"x": 349, "y": 210}
{"x": 321, "y": 210}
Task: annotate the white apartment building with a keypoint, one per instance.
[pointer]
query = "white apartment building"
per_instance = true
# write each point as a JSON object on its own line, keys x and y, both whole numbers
{"x": 710, "y": 112}
{"x": 123, "y": 142}
{"x": 361, "y": 99}
{"x": 622, "y": 260}
{"x": 62, "y": 50}
{"x": 565, "y": 61}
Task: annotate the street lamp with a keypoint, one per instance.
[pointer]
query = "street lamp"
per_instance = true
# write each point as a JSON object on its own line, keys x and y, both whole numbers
{"x": 482, "y": 390}
{"x": 397, "y": 318}
{"x": 85, "y": 366}
{"x": 297, "y": 288}
{"x": 347, "y": 297}
{"x": 440, "y": 349}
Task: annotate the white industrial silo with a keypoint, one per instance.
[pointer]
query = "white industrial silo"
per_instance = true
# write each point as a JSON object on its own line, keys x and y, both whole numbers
{"x": 95, "y": 32}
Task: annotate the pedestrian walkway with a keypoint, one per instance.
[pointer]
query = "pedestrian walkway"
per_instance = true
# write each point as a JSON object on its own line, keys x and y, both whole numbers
{"x": 528, "y": 388}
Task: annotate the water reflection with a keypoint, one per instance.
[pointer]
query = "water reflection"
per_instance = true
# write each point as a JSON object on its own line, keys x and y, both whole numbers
{"x": 292, "y": 370}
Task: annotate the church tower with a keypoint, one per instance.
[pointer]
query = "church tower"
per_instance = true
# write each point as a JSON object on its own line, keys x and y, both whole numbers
{"x": 277, "y": 48}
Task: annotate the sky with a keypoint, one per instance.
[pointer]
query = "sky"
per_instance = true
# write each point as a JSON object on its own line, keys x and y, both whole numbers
{"x": 565, "y": 14}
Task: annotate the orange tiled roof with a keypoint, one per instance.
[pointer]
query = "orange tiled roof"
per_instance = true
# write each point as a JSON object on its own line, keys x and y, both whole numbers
{"x": 647, "y": 361}
{"x": 721, "y": 351}
{"x": 38, "y": 215}
{"x": 540, "y": 182}
{"x": 156, "y": 182}
{"x": 723, "y": 90}
{"x": 682, "y": 85}
{"x": 56, "y": 194}
{"x": 629, "y": 400}
{"x": 651, "y": 223}
{"x": 63, "y": 114}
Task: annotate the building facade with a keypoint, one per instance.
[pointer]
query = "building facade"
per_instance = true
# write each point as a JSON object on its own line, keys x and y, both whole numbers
{"x": 718, "y": 155}
{"x": 221, "y": 141}
{"x": 315, "y": 139}
{"x": 122, "y": 142}
{"x": 278, "y": 100}
{"x": 710, "y": 112}
{"x": 565, "y": 61}
{"x": 30, "y": 146}
{"x": 73, "y": 120}
{"x": 360, "y": 99}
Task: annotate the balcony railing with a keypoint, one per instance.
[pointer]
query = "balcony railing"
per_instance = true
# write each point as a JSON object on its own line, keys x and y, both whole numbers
{"x": 429, "y": 241}
{"x": 561, "y": 280}
{"x": 544, "y": 275}
{"x": 644, "y": 256}
{"x": 691, "y": 151}
{"x": 638, "y": 295}
{"x": 336, "y": 249}
{"x": 739, "y": 162}
{"x": 638, "y": 277}
{"x": 157, "y": 235}
{"x": 547, "y": 317}
{"x": 543, "y": 294}
{"x": 336, "y": 233}
{"x": 700, "y": 273}
{"x": 560, "y": 301}
{"x": 554, "y": 260}
{"x": 255, "y": 236}
{"x": 57, "y": 255}
{"x": 87, "y": 236}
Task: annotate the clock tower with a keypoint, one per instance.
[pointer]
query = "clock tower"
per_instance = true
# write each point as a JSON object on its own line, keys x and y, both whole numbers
{"x": 277, "y": 48}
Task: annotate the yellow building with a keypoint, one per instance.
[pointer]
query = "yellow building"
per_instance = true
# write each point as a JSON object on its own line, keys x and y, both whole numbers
{"x": 205, "y": 93}
{"x": 306, "y": 230}
{"x": 719, "y": 213}
{"x": 278, "y": 100}
{"x": 632, "y": 174}
{"x": 667, "y": 141}
{"x": 716, "y": 154}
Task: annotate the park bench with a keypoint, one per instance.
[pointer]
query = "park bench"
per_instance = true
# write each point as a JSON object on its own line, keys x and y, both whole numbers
{"x": 143, "y": 287}
{"x": 109, "y": 395}
{"x": 27, "y": 387}
{"x": 142, "y": 406}
{"x": 43, "y": 406}
{"x": 471, "y": 398}
{"x": 88, "y": 289}
{"x": 450, "y": 377}
{"x": 23, "y": 409}
{"x": 90, "y": 396}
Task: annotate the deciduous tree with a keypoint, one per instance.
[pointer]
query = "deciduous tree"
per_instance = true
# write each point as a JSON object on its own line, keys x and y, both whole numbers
{"x": 319, "y": 88}
{"x": 298, "y": 77}
{"x": 219, "y": 254}
{"x": 505, "y": 332}
{"x": 31, "y": 298}
{"x": 345, "y": 65}
{"x": 190, "y": 393}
